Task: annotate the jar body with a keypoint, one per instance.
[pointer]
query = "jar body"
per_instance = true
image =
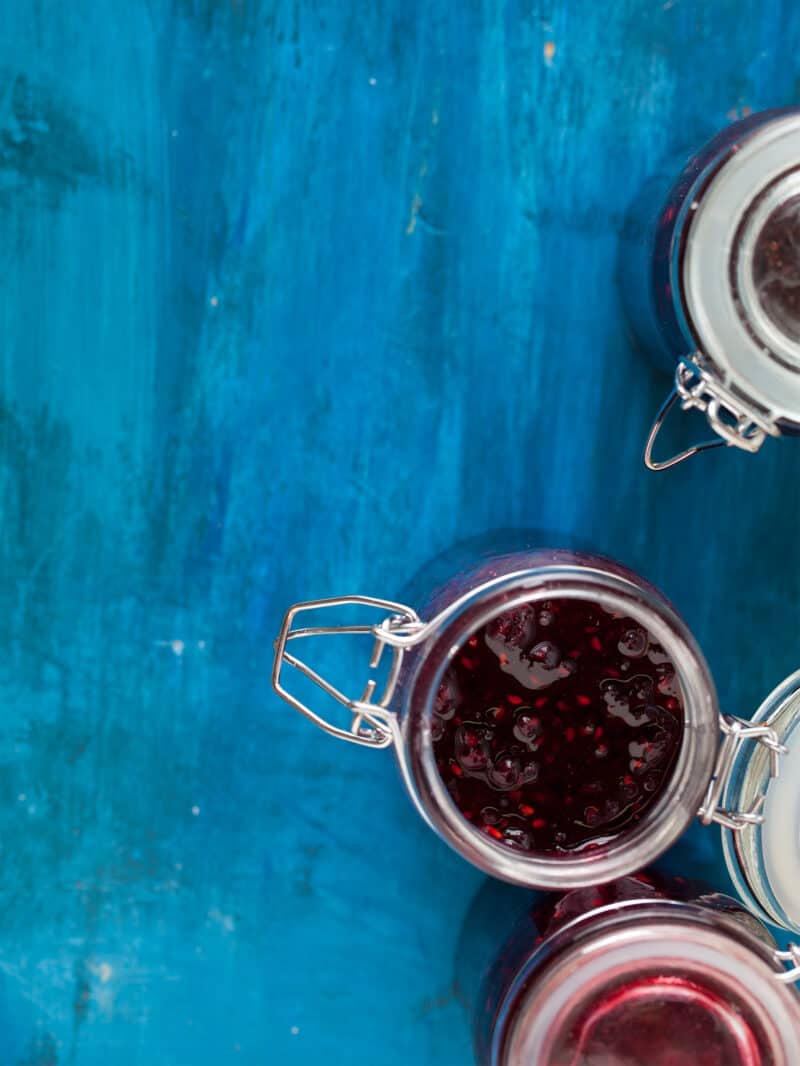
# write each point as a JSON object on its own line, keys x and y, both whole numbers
{"x": 634, "y": 972}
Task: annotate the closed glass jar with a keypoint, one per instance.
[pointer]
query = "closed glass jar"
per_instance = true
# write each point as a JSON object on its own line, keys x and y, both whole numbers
{"x": 645, "y": 971}
{"x": 710, "y": 275}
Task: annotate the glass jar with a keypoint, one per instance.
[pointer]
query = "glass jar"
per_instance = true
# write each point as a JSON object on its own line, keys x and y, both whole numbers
{"x": 646, "y": 971}
{"x": 713, "y": 283}
{"x": 459, "y": 623}
{"x": 763, "y": 855}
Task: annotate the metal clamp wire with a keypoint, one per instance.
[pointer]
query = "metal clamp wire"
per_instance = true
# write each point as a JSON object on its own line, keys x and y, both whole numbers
{"x": 736, "y": 732}
{"x": 736, "y": 424}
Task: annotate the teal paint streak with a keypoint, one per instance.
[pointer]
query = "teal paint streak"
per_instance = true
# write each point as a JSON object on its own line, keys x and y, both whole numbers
{"x": 416, "y": 337}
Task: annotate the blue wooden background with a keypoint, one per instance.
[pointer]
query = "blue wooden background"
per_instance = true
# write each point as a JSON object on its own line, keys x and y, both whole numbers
{"x": 295, "y": 295}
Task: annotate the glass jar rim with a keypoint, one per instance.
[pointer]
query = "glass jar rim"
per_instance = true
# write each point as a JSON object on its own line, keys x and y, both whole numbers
{"x": 681, "y": 797}
{"x": 626, "y": 938}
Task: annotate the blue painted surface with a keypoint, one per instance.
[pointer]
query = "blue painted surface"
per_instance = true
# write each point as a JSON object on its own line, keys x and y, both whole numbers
{"x": 295, "y": 295}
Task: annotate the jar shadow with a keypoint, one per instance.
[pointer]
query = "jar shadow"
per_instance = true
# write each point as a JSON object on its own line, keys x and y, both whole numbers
{"x": 465, "y": 554}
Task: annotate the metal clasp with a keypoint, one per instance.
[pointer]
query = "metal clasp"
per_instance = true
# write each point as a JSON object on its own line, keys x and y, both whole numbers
{"x": 736, "y": 424}
{"x": 371, "y": 719}
{"x": 788, "y": 975}
{"x": 736, "y": 732}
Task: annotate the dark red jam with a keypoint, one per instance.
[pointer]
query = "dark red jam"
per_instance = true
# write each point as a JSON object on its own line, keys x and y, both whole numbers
{"x": 557, "y": 725}
{"x": 662, "y": 1020}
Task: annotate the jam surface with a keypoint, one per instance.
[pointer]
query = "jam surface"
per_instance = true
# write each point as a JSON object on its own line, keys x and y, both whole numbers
{"x": 556, "y": 726}
{"x": 663, "y": 1020}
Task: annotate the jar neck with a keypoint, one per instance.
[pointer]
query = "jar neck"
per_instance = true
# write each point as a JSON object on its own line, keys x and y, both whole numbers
{"x": 550, "y": 576}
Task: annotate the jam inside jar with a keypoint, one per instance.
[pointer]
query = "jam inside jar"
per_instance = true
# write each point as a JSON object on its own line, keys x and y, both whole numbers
{"x": 556, "y": 725}
{"x": 628, "y": 1023}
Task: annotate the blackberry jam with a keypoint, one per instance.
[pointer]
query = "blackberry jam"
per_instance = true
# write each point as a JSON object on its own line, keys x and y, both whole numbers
{"x": 556, "y": 725}
{"x": 644, "y": 971}
{"x": 552, "y": 718}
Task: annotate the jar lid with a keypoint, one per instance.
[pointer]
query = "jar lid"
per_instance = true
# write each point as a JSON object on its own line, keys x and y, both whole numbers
{"x": 741, "y": 269}
{"x": 763, "y": 853}
{"x": 661, "y": 979}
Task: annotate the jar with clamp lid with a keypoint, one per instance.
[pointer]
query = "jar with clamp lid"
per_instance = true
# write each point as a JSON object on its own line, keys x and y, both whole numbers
{"x": 552, "y": 716}
{"x": 763, "y": 853}
{"x": 644, "y": 971}
{"x": 712, "y": 282}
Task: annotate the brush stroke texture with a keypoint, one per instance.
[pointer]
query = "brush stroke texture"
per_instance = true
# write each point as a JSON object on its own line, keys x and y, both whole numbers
{"x": 294, "y": 295}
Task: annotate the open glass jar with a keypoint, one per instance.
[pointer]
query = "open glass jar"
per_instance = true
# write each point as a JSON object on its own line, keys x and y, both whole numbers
{"x": 645, "y": 971}
{"x": 712, "y": 281}
{"x": 552, "y": 716}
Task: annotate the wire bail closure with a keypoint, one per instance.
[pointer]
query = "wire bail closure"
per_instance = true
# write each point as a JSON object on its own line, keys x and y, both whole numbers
{"x": 371, "y": 720}
{"x": 736, "y": 732}
{"x": 787, "y": 975}
{"x": 735, "y": 424}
